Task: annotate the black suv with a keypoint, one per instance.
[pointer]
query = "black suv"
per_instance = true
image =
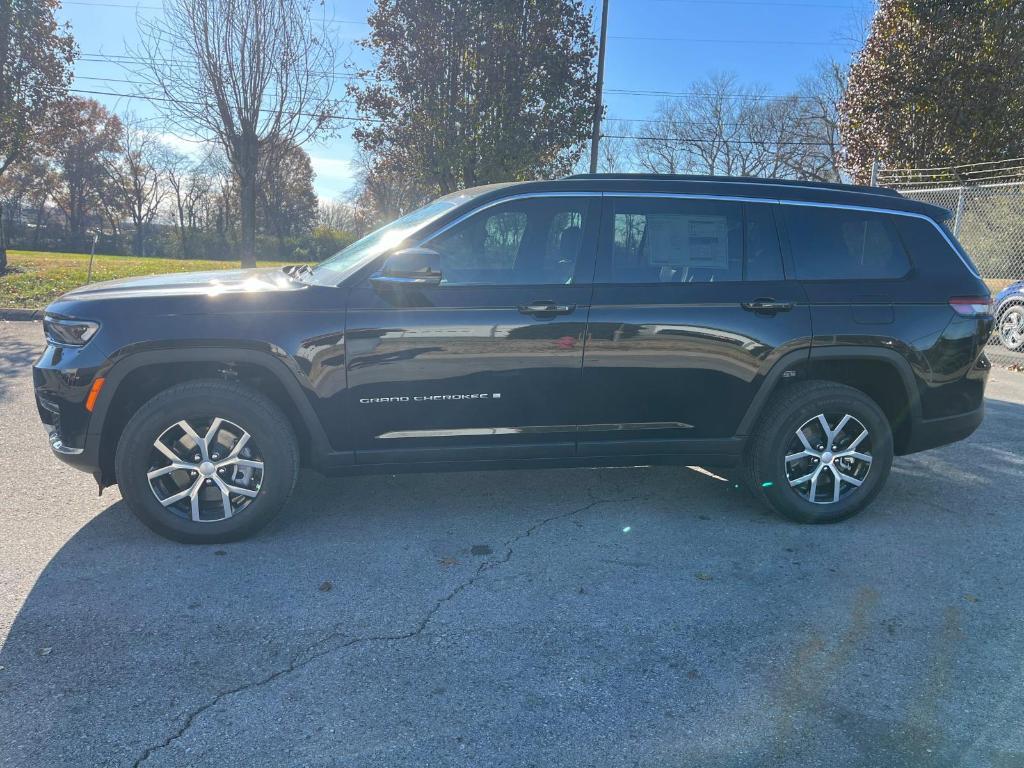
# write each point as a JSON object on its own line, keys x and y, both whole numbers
{"x": 804, "y": 333}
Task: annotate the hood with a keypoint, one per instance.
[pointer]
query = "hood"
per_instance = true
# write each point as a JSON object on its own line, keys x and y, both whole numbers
{"x": 235, "y": 281}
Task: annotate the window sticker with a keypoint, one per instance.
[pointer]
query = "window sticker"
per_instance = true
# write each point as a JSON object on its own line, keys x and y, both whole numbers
{"x": 687, "y": 241}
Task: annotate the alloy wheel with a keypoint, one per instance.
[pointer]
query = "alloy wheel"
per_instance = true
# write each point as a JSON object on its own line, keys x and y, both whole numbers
{"x": 1011, "y": 327}
{"x": 205, "y": 470}
{"x": 826, "y": 463}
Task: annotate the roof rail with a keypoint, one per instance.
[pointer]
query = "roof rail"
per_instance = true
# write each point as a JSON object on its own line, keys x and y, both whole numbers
{"x": 741, "y": 180}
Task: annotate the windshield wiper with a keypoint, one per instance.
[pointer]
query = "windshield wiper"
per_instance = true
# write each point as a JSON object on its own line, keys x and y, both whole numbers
{"x": 297, "y": 270}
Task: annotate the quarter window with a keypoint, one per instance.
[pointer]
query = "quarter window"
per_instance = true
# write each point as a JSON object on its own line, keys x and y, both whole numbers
{"x": 536, "y": 241}
{"x": 844, "y": 244}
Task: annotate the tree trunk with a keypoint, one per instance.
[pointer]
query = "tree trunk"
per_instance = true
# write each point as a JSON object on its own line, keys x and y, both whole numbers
{"x": 247, "y": 200}
{"x": 247, "y": 169}
{"x": 3, "y": 243}
{"x": 39, "y": 224}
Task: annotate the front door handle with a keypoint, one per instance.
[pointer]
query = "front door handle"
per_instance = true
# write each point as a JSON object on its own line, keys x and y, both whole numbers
{"x": 546, "y": 308}
{"x": 767, "y": 306}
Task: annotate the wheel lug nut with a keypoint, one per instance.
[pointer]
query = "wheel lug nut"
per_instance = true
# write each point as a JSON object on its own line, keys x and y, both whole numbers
{"x": 197, "y": 457}
{"x": 208, "y": 481}
{"x": 215, "y": 456}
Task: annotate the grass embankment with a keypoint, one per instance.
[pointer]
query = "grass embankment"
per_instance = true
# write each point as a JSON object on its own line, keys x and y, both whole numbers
{"x": 35, "y": 278}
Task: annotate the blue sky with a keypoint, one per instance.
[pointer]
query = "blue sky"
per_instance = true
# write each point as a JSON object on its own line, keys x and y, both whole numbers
{"x": 770, "y": 42}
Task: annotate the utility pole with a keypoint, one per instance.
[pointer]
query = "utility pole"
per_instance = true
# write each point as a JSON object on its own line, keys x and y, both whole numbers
{"x": 595, "y": 139}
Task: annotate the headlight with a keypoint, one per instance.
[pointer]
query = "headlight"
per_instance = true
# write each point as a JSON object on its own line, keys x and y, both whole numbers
{"x": 66, "y": 332}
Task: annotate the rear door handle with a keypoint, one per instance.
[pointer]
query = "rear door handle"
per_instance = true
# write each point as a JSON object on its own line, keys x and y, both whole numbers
{"x": 548, "y": 308}
{"x": 767, "y": 306}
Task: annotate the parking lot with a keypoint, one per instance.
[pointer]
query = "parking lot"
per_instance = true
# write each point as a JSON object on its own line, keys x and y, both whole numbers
{"x": 610, "y": 617}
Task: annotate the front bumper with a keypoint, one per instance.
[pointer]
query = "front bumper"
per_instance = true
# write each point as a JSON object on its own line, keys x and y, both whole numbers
{"x": 61, "y": 390}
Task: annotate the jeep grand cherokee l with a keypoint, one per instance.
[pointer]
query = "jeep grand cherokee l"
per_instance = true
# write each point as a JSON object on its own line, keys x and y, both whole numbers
{"x": 802, "y": 333}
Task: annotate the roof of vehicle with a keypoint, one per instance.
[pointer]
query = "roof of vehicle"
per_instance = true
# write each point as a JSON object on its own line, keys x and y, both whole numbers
{"x": 731, "y": 186}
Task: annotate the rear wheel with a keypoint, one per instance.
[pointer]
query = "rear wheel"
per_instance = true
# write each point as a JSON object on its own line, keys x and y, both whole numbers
{"x": 207, "y": 462}
{"x": 822, "y": 453}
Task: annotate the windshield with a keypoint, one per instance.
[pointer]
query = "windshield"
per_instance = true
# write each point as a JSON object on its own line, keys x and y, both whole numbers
{"x": 345, "y": 262}
{"x": 333, "y": 270}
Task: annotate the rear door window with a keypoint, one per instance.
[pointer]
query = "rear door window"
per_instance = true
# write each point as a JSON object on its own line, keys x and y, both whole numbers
{"x": 844, "y": 244}
{"x": 683, "y": 240}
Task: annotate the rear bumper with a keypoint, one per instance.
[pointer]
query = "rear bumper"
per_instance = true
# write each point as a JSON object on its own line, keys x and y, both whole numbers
{"x": 932, "y": 433}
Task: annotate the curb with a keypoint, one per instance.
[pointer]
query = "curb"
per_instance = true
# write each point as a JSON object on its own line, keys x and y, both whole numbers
{"x": 16, "y": 313}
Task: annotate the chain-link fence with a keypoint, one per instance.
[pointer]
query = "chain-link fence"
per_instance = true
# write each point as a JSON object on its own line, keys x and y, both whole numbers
{"x": 986, "y": 201}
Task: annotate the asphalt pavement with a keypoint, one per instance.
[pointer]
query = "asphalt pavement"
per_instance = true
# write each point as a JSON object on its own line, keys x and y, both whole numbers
{"x": 609, "y": 617}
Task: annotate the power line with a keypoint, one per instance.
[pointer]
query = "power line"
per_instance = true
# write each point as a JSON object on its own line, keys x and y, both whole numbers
{"x": 688, "y": 94}
{"x": 164, "y": 99}
{"x": 122, "y": 59}
{"x": 141, "y": 7}
{"x": 698, "y": 140}
{"x": 647, "y": 120}
{"x": 722, "y": 41}
{"x": 768, "y": 3}
{"x": 362, "y": 119}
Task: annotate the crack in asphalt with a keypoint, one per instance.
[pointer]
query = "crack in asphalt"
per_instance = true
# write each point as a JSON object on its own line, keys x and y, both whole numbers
{"x": 316, "y": 651}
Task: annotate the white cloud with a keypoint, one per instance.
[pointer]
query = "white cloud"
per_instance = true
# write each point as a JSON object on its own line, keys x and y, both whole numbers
{"x": 334, "y": 175}
{"x": 194, "y": 148}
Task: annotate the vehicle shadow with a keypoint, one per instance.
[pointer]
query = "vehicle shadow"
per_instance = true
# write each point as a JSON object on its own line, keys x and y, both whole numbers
{"x": 127, "y": 642}
{"x": 124, "y": 632}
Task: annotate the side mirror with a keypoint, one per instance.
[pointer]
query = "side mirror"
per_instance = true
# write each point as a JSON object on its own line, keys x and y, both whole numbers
{"x": 410, "y": 266}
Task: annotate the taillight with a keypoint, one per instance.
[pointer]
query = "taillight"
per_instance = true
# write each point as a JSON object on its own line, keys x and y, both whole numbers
{"x": 971, "y": 306}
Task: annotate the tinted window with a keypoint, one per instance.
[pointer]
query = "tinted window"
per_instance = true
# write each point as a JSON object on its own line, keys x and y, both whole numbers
{"x": 928, "y": 248}
{"x": 664, "y": 240}
{"x": 841, "y": 244}
{"x": 536, "y": 241}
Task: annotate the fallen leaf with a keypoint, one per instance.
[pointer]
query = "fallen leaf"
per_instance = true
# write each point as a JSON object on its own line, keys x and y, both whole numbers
{"x": 45, "y": 651}
{"x": 326, "y": 586}
{"x": 970, "y": 598}
{"x": 703, "y": 576}
{"x": 446, "y": 561}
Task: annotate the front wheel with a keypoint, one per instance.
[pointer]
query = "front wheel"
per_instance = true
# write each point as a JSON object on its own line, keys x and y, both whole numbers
{"x": 207, "y": 462}
{"x": 821, "y": 454}
{"x": 1010, "y": 327}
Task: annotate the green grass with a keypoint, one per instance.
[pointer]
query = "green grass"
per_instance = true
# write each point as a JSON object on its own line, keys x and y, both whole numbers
{"x": 35, "y": 278}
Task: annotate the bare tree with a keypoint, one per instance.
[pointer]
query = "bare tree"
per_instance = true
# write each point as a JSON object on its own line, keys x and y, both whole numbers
{"x": 725, "y": 128}
{"x": 336, "y": 215}
{"x": 191, "y": 184}
{"x": 384, "y": 193}
{"x": 251, "y": 74}
{"x": 138, "y": 173}
{"x": 821, "y": 150}
{"x": 613, "y": 155}
{"x": 720, "y": 128}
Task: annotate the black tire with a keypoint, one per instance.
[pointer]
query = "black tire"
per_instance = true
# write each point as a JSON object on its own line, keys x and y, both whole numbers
{"x": 774, "y": 438}
{"x": 198, "y": 401}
